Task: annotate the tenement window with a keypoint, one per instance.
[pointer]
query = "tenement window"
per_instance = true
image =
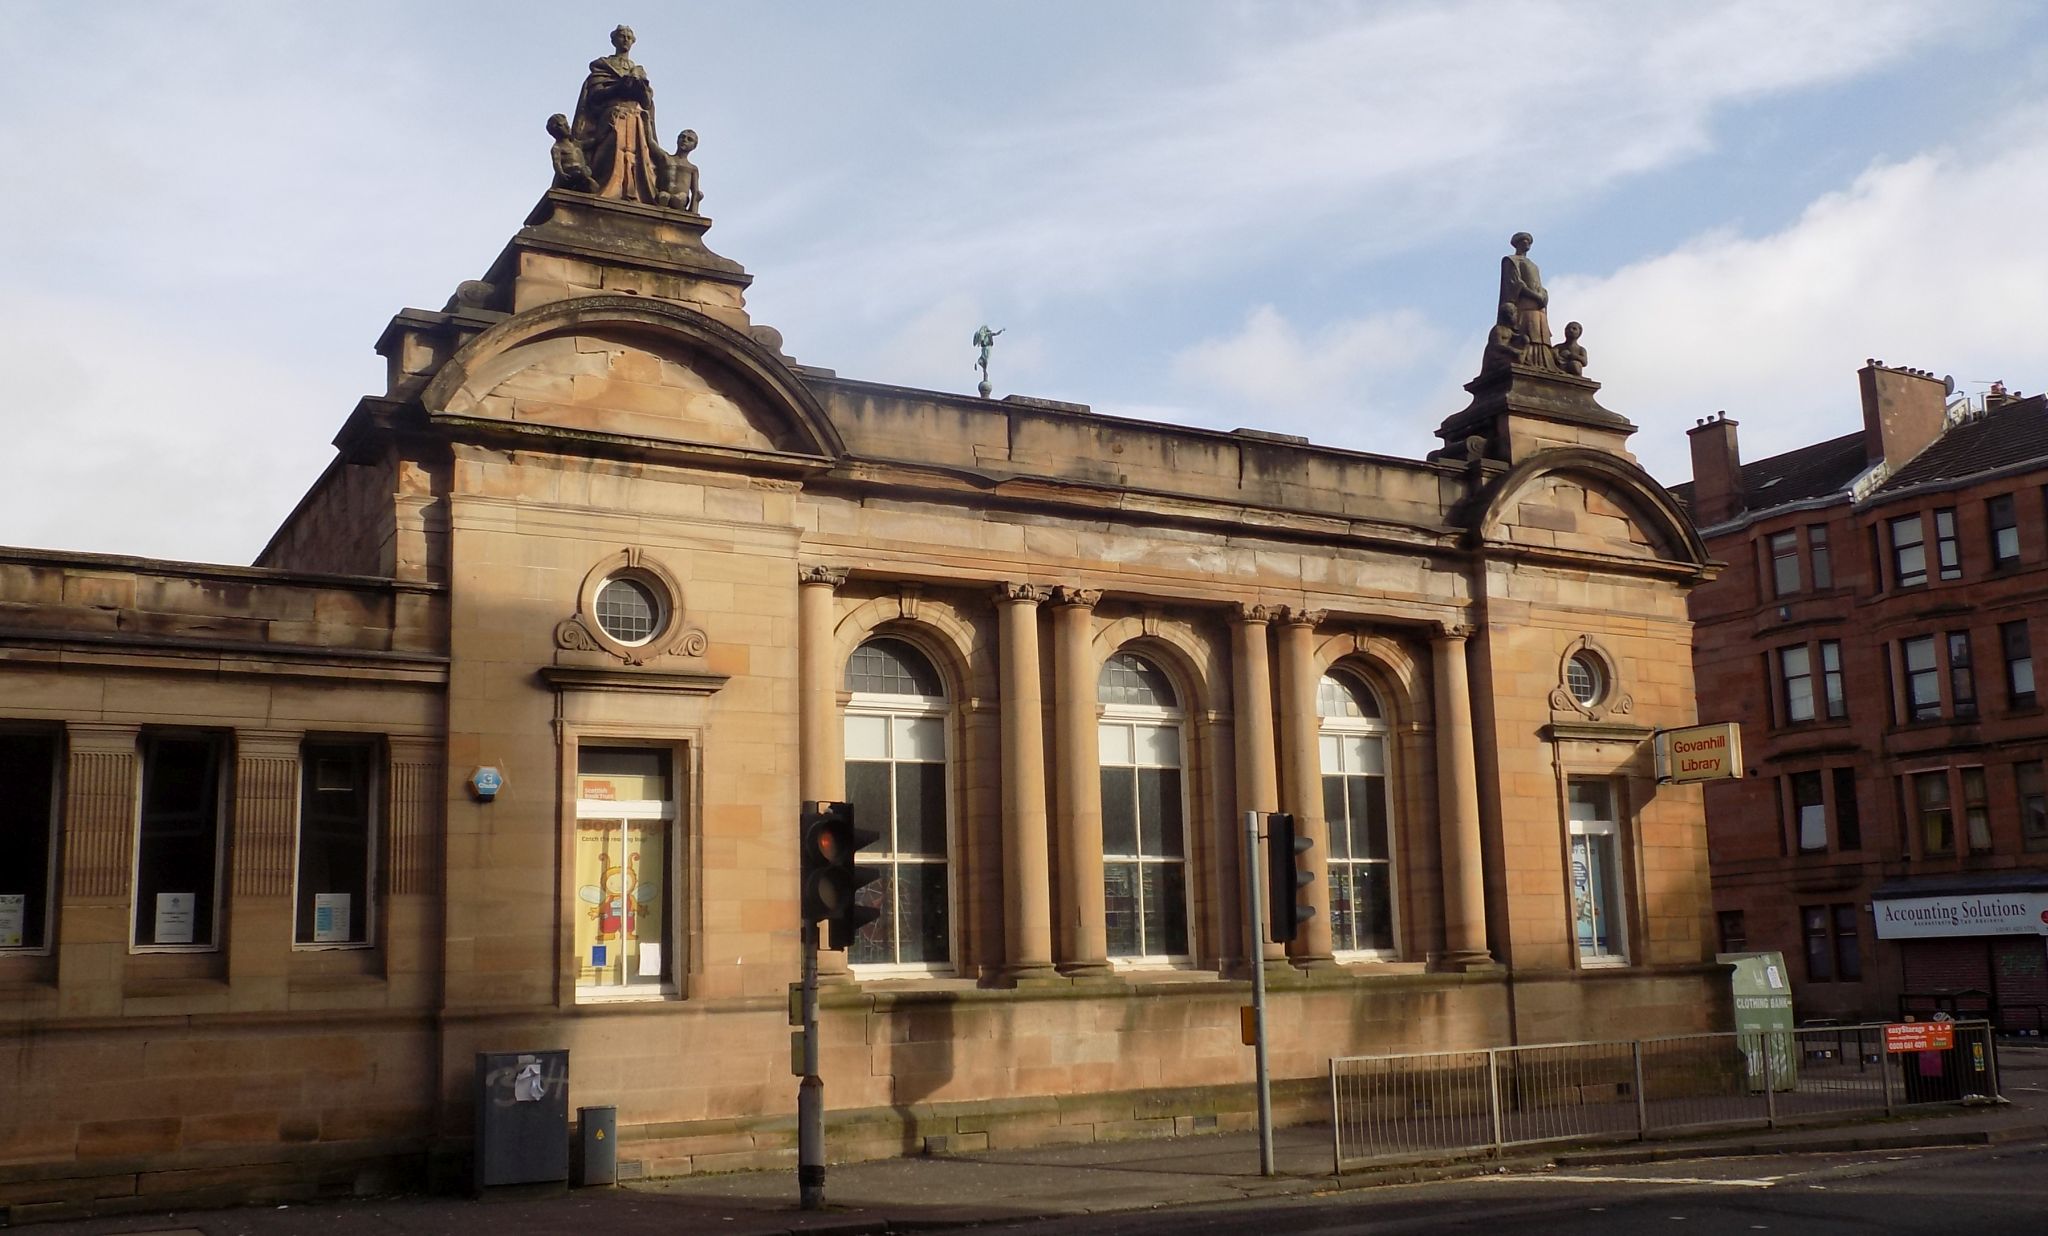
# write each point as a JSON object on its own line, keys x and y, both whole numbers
{"x": 2003, "y": 519}
{"x": 1810, "y": 811}
{"x": 1833, "y": 951}
{"x": 1937, "y": 822}
{"x": 1795, "y": 679}
{"x": 337, "y": 843}
{"x": 1144, "y": 827}
{"x": 896, "y": 781}
{"x": 1596, "y": 880}
{"x": 1354, "y": 760}
{"x": 28, "y": 838}
{"x": 1962, "y": 684}
{"x": 1909, "y": 552}
{"x": 1832, "y": 694}
{"x": 1923, "y": 679}
{"x": 624, "y": 862}
{"x": 1823, "y": 567}
{"x": 178, "y": 841}
{"x": 2032, "y": 789}
{"x": 2019, "y": 664}
{"x": 1784, "y": 563}
{"x": 1947, "y": 552}
{"x": 1734, "y": 936}
{"x": 1976, "y": 810}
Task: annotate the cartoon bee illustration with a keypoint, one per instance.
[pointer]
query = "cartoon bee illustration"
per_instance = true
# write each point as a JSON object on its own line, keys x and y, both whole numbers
{"x": 619, "y": 898}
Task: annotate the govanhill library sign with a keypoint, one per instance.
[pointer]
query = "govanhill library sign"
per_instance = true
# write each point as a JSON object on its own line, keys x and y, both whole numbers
{"x": 1965, "y": 914}
{"x": 1699, "y": 753}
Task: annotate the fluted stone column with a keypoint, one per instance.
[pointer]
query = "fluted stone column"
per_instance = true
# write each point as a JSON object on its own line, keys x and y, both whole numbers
{"x": 1027, "y": 899}
{"x": 1458, "y": 805}
{"x": 821, "y": 737}
{"x": 93, "y": 913}
{"x": 1258, "y": 787}
{"x": 1082, "y": 936}
{"x": 1301, "y": 776}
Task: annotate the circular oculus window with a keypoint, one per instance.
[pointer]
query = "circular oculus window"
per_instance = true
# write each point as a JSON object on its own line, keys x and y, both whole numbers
{"x": 628, "y": 609}
{"x": 1585, "y": 678}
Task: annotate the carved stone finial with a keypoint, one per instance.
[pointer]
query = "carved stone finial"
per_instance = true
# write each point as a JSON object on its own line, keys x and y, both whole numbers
{"x": 830, "y": 576}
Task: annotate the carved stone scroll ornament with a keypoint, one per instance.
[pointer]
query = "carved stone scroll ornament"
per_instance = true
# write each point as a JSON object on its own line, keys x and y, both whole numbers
{"x": 582, "y": 632}
{"x": 1296, "y": 615}
{"x": 1251, "y": 611}
{"x": 830, "y": 576}
{"x": 1067, "y": 594}
{"x": 1037, "y": 594}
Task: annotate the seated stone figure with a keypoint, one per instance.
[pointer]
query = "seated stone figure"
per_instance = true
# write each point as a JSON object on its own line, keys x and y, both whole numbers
{"x": 1571, "y": 354}
{"x": 571, "y": 170}
{"x": 679, "y": 190}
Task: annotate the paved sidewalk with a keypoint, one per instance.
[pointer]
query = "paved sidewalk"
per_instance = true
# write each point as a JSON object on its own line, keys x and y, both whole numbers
{"x": 898, "y": 1195}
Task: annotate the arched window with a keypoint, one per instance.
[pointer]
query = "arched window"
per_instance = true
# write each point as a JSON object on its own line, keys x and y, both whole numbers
{"x": 1144, "y": 825}
{"x": 896, "y": 781}
{"x": 1354, "y": 759}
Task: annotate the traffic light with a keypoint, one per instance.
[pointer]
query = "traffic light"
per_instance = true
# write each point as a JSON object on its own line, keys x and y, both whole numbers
{"x": 1285, "y": 910}
{"x": 831, "y": 882}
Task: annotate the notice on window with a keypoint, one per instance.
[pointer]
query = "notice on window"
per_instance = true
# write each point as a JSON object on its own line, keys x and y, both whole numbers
{"x": 599, "y": 790}
{"x": 174, "y": 917}
{"x": 650, "y": 960}
{"x": 331, "y": 918}
{"x": 13, "y": 917}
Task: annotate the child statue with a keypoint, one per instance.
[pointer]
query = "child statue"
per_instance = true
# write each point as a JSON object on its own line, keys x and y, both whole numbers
{"x": 571, "y": 170}
{"x": 679, "y": 188}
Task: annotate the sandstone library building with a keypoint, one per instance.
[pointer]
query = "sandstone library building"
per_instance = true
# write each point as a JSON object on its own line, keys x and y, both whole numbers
{"x": 500, "y": 745}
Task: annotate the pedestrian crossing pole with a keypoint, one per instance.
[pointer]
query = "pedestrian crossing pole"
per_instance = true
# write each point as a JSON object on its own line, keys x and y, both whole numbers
{"x": 1254, "y": 934}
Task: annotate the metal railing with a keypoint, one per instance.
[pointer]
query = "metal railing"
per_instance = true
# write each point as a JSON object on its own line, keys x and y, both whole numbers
{"x": 1433, "y": 1104}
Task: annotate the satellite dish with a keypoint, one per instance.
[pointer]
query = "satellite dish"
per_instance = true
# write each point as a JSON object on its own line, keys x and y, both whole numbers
{"x": 1948, "y": 384}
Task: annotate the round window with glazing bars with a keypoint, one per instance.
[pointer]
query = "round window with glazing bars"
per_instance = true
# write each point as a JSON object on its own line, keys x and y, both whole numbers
{"x": 1585, "y": 678}
{"x": 629, "y": 609}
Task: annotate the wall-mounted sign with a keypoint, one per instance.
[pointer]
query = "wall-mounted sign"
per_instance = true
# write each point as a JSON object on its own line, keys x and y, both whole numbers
{"x": 1965, "y": 914}
{"x": 1700, "y": 753}
{"x": 1908, "y": 1036}
{"x": 485, "y": 782}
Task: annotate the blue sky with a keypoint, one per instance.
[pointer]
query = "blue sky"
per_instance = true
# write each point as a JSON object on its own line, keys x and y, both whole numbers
{"x": 1287, "y": 216}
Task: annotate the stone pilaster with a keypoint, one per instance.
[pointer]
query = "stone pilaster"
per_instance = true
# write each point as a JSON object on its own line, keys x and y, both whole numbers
{"x": 1301, "y": 776}
{"x": 260, "y": 924}
{"x": 1464, "y": 876}
{"x": 1077, "y": 785}
{"x": 410, "y": 924}
{"x": 1027, "y": 902}
{"x": 102, "y": 778}
{"x": 1251, "y": 692}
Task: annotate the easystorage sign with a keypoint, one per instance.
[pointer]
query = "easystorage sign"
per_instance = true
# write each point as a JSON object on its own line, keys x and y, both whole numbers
{"x": 1699, "y": 753}
{"x": 1967, "y": 914}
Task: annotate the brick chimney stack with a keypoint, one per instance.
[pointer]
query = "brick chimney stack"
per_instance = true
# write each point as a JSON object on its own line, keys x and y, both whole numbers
{"x": 1717, "y": 491}
{"x": 1902, "y": 411}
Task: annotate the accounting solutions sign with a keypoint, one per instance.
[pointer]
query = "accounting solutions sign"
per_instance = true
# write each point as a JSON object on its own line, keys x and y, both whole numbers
{"x": 1969, "y": 914}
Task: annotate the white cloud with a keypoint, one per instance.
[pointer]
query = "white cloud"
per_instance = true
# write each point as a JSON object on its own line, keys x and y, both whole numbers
{"x": 1932, "y": 261}
{"x": 1274, "y": 367}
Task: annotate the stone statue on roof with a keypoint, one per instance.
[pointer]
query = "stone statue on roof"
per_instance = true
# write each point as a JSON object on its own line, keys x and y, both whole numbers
{"x": 1521, "y": 285}
{"x": 1521, "y": 334}
{"x": 614, "y": 126}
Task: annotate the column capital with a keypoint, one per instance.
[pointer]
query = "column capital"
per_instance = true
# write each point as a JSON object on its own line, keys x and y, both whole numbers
{"x": 1301, "y": 616}
{"x": 1251, "y": 611}
{"x": 83, "y": 736}
{"x": 1452, "y": 631}
{"x": 1034, "y": 593}
{"x": 1069, "y": 594}
{"x": 830, "y": 576}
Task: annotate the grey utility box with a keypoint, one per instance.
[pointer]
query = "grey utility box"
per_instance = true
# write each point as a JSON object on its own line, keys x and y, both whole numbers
{"x": 597, "y": 1146}
{"x": 522, "y": 1118}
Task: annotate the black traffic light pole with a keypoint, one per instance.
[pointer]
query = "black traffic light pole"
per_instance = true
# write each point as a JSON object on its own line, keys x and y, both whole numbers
{"x": 829, "y": 884}
{"x": 1283, "y": 882}
{"x": 1255, "y": 888}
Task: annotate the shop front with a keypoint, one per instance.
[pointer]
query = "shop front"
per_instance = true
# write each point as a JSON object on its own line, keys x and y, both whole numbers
{"x": 1977, "y": 951}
